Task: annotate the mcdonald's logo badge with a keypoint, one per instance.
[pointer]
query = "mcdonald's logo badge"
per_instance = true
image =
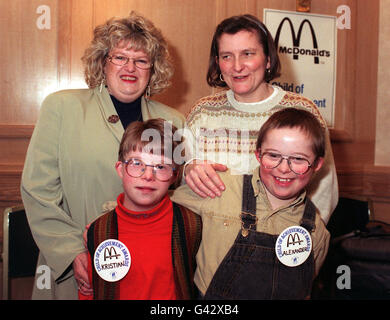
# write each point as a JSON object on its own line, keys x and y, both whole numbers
{"x": 119, "y": 260}
{"x": 293, "y": 239}
{"x": 110, "y": 253}
{"x": 295, "y": 50}
{"x": 293, "y": 246}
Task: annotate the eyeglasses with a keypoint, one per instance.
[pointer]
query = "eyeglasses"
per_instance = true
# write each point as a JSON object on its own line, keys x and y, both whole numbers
{"x": 298, "y": 165}
{"x": 120, "y": 60}
{"x": 136, "y": 168}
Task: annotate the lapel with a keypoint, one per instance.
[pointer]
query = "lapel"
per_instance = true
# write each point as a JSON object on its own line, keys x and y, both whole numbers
{"x": 107, "y": 109}
{"x": 186, "y": 236}
{"x": 181, "y": 268}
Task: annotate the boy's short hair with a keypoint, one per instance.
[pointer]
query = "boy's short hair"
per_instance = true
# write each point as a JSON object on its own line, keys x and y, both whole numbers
{"x": 296, "y": 118}
{"x": 154, "y": 136}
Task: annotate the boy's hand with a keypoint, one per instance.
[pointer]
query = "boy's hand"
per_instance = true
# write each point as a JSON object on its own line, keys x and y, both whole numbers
{"x": 80, "y": 270}
{"x": 202, "y": 178}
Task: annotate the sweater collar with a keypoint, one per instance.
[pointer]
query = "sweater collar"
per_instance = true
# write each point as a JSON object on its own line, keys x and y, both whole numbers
{"x": 259, "y": 106}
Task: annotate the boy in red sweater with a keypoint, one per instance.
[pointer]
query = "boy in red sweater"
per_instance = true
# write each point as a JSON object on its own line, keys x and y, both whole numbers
{"x": 145, "y": 248}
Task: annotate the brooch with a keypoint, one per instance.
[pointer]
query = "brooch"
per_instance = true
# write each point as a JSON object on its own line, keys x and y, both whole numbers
{"x": 113, "y": 118}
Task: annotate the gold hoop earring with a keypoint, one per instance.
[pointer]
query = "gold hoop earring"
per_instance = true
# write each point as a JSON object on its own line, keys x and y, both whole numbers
{"x": 267, "y": 73}
{"x": 102, "y": 83}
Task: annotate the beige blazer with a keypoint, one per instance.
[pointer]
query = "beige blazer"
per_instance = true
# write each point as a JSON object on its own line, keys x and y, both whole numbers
{"x": 69, "y": 173}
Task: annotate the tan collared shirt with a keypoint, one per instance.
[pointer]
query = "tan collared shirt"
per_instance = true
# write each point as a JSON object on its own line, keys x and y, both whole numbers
{"x": 221, "y": 222}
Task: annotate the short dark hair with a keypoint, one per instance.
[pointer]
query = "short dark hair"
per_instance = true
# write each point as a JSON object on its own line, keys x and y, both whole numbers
{"x": 133, "y": 139}
{"x": 296, "y": 118}
{"x": 233, "y": 25}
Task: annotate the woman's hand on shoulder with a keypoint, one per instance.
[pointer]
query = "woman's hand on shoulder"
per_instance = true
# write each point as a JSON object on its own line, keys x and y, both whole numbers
{"x": 202, "y": 177}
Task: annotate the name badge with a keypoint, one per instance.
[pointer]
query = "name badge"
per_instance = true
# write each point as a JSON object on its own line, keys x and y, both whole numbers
{"x": 112, "y": 260}
{"x": 293, "y": 246}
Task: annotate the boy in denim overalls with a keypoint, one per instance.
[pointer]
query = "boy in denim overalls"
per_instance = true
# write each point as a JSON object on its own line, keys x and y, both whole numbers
{"x": 237, "y": 258}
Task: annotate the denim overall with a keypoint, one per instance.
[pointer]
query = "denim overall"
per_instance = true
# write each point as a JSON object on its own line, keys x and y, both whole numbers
{"x": 251, "y": 270}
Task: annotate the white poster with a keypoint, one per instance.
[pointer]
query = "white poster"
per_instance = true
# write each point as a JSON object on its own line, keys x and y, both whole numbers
{"x": 307, "y": 48}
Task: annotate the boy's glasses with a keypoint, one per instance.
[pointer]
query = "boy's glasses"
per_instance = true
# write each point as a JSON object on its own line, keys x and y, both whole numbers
{"x": 136, "y": 168}
{"x": 298, "y": 165}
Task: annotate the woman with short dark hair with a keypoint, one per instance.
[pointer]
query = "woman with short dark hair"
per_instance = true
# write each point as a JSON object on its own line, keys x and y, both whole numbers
{"x": 243, "y": 59}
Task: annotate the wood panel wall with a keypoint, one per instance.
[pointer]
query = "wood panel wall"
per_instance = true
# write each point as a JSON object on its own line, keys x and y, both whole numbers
{"x": 38, "y": 61}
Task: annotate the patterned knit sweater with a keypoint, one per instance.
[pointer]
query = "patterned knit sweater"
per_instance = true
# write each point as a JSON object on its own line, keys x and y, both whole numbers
{"x": 225, "y": 131}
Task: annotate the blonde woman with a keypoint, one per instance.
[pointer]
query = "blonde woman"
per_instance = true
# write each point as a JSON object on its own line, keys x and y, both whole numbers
{"x": 69, "y": 171}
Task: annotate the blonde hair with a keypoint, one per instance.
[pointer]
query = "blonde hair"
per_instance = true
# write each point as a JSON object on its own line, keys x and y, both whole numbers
{"x": 143, "y": 35}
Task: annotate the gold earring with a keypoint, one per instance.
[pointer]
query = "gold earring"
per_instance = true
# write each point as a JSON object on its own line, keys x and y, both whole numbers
{"x": 102, "y": 83}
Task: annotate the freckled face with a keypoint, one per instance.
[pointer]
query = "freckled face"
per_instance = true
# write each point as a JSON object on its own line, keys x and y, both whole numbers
{"x": 283, "y": 185}
{"x": 126, "y": 83}
{"x": 243, "y": 63}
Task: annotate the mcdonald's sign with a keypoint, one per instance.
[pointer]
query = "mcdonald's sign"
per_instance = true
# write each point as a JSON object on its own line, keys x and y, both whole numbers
{"x": 307, "y": 47}
{"x": 296, "y": 39}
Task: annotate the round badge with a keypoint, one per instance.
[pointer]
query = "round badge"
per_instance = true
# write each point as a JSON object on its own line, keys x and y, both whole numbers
{"x": 293, "y": 246}
{"x": 112, "y": 260}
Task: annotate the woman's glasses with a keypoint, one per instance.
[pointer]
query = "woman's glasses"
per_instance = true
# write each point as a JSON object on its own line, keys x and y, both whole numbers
{"x": 119, "y": 60}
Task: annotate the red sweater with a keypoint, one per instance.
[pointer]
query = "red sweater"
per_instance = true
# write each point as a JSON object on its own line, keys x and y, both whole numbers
{"x": 147, "y": 235}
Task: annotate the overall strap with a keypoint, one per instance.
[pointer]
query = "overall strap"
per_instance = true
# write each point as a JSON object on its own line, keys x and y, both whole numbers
{"x": 105, "y": 227}
{"x": 248, "y": 206}
{"x": 309, "y": 216}
{"x": 186, "y": 237}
